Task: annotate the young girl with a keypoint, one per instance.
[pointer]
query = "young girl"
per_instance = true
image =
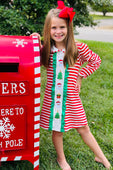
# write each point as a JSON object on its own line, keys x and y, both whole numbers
{"x": 62, "y": 108}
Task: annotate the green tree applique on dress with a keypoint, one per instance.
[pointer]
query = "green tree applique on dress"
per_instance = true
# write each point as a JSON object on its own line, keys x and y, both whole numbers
{"x": 57, "y": 116}
{"x": 59, "y": 75}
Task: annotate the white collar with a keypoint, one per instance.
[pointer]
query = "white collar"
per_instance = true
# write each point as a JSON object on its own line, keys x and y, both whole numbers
{"x": 54, "y": 49}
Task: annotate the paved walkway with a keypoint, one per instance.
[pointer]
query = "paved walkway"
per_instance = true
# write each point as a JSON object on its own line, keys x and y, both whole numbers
{"x": 102, "y": 32}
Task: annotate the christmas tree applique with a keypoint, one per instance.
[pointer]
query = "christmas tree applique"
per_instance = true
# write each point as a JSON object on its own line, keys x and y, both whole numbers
{"x": 57, "y": 116}
{"x": 59, "y": 75}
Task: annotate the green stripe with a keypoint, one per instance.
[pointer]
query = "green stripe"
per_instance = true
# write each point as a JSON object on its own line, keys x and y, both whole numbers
{"x": 64, "y": 98}
{"x": 53, "y": 93}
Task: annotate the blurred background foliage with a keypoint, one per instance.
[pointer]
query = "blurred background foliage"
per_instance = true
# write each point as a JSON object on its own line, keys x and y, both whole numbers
{"x": 22, "y": 17}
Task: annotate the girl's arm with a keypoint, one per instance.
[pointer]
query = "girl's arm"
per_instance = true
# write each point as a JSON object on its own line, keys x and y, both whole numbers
{"x": 86, "y": 55}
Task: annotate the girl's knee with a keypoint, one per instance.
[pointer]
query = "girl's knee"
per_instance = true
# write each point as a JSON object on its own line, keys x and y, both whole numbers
{"x": 83, "y": 130}
{"x": 55, "y": 133}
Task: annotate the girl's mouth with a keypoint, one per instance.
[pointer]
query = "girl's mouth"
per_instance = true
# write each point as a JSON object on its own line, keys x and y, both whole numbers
{"x": 59, "y": 36}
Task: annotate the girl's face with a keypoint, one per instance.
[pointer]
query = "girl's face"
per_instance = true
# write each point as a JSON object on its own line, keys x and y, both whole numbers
{"x": 58, "y": 30}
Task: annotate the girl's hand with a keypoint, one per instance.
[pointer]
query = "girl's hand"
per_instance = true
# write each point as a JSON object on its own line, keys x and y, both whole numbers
{"x": 79, "y": 82}
{"x": 38, "y": 35}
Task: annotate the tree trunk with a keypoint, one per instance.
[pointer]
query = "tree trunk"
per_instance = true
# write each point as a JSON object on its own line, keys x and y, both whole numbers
{"x": 104, "y": 13}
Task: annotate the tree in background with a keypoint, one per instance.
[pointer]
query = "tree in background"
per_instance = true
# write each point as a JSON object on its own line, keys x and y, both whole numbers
{"x": 22, "y": 17}
{"x": 103, "y": 6}
{"x": 82, "y": 17}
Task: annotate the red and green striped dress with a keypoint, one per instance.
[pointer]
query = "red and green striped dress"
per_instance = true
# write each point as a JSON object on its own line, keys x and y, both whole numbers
{"x": 62, "y": 108}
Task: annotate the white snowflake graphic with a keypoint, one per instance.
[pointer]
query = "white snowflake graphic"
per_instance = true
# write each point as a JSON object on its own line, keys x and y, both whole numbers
{"x": 5, "y": 128}
{"x": 20, "y": 42}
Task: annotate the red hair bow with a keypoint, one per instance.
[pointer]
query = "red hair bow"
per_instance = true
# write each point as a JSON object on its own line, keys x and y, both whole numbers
{"x": 66, "y": 11}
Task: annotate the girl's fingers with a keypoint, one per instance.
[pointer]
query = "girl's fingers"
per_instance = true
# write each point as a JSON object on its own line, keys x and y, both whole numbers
{"x": 78, "y": 88}
{"x": 38, "y": 35}
{"x": 35, "y": 34}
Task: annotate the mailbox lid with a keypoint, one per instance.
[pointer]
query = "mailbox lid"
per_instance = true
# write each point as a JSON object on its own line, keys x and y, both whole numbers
{"x": 17, "y": 51}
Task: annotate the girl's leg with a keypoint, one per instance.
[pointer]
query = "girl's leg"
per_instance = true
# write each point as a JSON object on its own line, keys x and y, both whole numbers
{"x": 57, "y": 138}
{"x": 89, "y": 139}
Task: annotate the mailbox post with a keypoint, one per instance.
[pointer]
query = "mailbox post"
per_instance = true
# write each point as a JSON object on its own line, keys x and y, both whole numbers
{"x": 19, "y": 99}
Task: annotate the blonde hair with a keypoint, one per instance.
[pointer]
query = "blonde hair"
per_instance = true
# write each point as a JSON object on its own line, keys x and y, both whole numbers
{"x": 70, "y": 45}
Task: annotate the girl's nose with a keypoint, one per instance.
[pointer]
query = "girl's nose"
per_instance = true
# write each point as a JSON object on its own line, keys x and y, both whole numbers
{"x": 58, "y": 30}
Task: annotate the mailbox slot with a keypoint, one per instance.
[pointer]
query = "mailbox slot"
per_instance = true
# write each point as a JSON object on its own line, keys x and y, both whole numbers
{"x": 9, "y": 64}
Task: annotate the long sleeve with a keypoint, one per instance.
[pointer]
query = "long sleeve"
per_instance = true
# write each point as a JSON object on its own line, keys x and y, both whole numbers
{"x": 86, "y": 55}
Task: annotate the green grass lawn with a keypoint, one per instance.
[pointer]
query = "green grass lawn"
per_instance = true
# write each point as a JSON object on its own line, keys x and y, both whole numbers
{"x": 97, "y": 98}
{"x": 98, "y": 17}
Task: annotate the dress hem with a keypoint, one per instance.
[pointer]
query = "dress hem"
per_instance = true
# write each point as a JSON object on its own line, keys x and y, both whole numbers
{"x": 64, "y": 128}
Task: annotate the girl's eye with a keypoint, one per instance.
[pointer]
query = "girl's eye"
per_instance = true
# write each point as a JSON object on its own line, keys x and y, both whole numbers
{"x": 53, "y": 28}
{"x": 62, "y": 27}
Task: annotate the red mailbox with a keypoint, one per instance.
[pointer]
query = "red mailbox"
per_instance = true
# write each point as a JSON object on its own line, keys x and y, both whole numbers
{"x": 19, "y": 99}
